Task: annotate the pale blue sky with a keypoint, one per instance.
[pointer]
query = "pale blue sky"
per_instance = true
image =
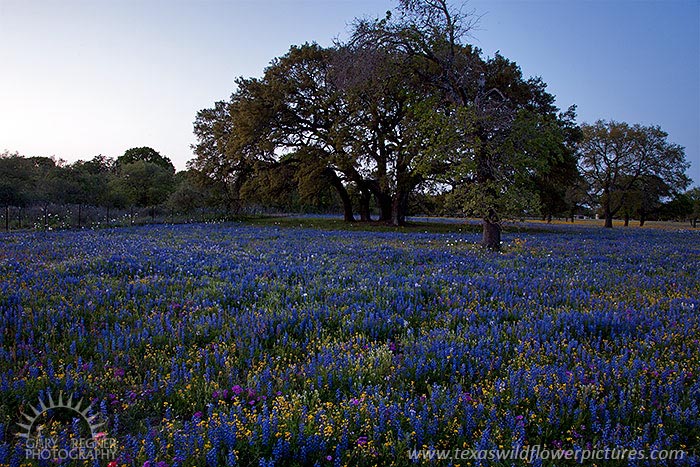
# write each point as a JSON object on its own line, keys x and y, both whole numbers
{"x": 80, "y": 78}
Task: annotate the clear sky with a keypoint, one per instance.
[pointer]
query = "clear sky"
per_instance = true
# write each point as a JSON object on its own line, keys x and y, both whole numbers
{"x": 81, "y": 78}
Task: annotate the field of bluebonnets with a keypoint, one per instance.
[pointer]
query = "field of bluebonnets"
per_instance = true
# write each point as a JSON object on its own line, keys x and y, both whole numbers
{"x": 242, "y": 345}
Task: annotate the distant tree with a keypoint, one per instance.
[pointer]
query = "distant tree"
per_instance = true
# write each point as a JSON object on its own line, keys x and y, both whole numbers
{"x": 558, "y": 175}
{"x": 43, "y": 181}
{"x": 103, "y": 170}
{"x": 186, "y": 197}
{"x": 576, "y": 197}
{"x": 693, "y": 196}
{"x": 47, "y": 184}
{"x": 86, "y": 183}
{"x": 683, "y": 207}
{"x": 615, "y": 156}
{"x": 15, "y": 181}
{"x": 679, "y": 208}
{"x": 9, "y": 196}
{"x": 72, "y": 188}
{"x": 145, "y": 154}
{"x": 143, "y": 184}
{"x": 644, "y": 198}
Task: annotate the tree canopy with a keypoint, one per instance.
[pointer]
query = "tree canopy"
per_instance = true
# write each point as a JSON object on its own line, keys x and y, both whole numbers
{"x": 619, "y": 160}
{"x": 145, "y": 154}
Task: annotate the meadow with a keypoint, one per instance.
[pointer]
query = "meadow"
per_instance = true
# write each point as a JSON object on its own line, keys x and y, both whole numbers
{"x": 235, "y": 344}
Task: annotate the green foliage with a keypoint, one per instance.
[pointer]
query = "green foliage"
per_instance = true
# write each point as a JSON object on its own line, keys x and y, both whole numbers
{"x": 143, "y": 183}
{"x": 15, "y": 180}
{"x": 694, "y": 197}
{"x": 375, "y": 120}
{"x": 186, "y": 196}
{"x": 145, "y": 154}
{"x": 511, "y": 201}
{"x": 47, "y": 193}
{"x": 684, "y": 206}
{"x": 623, "y": 162}
{"x": 217, "y": 169}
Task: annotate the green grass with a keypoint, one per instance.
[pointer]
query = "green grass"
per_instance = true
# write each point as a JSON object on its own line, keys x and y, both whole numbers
{"x": 445, "y": 227}
{"x": 322, "y": 223}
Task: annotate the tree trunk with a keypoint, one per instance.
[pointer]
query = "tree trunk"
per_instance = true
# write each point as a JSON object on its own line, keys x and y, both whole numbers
{"x": 549, "y": 218}
{"x": 608, "y": 220}
{"x": 384, "y": 202}
{"x": 491, "y": 232}
{"x": 608, "y": 215}
{"x": 397, "y": 219}
{"x": 607, "y": 211}
{"x": 347, "y": 209}
{"x": 694, "y": 222}
{"x": 642, "y": 218}
{"x": 365, "y": 198}
{"x": 399, "y": 206}
{"x": 627, "y": 220}
{"x": 343, "y": 193}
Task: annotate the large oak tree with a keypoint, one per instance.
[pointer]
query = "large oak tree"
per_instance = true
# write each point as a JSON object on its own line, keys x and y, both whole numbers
{"x": 406, "y": 104}
{"x": 497, "y": 160}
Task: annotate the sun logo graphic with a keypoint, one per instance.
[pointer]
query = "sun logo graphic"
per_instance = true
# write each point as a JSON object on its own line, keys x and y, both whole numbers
{"x": 40, "y": 446}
